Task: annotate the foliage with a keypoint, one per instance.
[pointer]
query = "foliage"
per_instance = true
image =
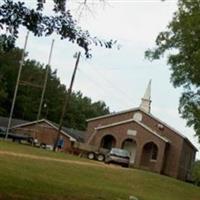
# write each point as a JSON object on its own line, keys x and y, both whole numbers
{"x": 182, "y": 41}
{"x": 16, "y": 14}
{"x": 196, "y": 173}
{"x": 29, "y": 94}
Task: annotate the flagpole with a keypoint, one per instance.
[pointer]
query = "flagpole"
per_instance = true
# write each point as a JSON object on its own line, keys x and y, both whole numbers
{"x": 17, "y": 85}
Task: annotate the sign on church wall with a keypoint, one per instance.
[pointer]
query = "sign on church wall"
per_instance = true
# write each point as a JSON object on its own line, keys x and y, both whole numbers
{"x": 131, "y": 132}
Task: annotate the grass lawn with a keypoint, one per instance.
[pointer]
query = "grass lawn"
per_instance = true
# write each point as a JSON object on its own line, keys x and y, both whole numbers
{"x": 28, "y": 178}
{"x": 28, "y": 149}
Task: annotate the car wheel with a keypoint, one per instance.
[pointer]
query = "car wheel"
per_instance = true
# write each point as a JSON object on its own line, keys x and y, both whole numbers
{"x": 91, "y": 155}
{"x": 100, "y": 157}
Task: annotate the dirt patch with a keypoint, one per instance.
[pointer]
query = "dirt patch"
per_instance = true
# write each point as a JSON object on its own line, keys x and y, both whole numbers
{"x": 98, "y": 164}
{"x": 47, "y": 158}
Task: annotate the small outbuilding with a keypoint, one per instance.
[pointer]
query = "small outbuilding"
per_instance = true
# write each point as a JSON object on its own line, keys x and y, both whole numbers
{"x": 45, "y": 132}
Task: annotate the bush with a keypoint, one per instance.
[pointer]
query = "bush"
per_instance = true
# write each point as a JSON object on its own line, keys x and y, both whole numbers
{"x": 196, "y": 173}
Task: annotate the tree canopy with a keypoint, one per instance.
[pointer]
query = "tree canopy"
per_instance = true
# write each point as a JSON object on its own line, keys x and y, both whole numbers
{"x": 13, "y": 15}
{"x": 79, "y": 109}
{"x": 181, "y": 41}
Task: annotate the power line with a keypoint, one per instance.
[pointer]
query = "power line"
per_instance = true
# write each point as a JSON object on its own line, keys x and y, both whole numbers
{"x": 111, "y": 84}
{"x": 100, "y": 86}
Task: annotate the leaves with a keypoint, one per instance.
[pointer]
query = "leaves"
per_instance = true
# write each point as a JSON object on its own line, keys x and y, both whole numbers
{"x": 196, "y": 173}
{"x": 181, "y": 41}
{"x": 16, "y": 14}
{"x": 28, "y": 98}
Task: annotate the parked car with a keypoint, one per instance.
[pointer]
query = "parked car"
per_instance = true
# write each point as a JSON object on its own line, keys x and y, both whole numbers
{"x": 118, "y": 156}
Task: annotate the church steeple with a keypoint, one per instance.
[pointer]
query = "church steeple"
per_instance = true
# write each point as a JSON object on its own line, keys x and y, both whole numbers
{"x": 146, "y": 100}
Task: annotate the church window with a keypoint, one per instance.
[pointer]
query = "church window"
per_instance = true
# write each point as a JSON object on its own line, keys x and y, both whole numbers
{"x": 154, "y": 152}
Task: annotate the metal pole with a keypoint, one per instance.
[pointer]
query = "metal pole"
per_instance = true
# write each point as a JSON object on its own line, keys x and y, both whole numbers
{"x": 67, "y": 100}
{"x": 17, "y": 85}
{"x": 45, "y": 81}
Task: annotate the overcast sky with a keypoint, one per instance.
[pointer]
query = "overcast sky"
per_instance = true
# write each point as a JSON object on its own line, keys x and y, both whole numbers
{"x": 119, "y": 77}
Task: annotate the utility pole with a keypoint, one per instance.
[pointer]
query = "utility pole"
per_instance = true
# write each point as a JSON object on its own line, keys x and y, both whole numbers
{"x": 44, "y": 86}
{"x": 67, "y": 100}
{"x": 17, "y": 86}
{"x": 45, "y": 81}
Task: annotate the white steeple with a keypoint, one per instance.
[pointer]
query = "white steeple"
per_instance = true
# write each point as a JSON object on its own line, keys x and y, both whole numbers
{"x": 146, "y": 100}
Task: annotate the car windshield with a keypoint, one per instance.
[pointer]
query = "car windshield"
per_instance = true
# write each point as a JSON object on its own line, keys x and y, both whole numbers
{"x": 119, "y": 152}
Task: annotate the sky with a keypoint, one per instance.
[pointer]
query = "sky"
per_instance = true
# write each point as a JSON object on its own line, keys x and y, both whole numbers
{"x": 118, "y": 76}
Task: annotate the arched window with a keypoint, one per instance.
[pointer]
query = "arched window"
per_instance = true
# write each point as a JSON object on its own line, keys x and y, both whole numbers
{"x": 154, "y": 151}
{"x": 108, "y": 142}
{"x": 149, "y": 154}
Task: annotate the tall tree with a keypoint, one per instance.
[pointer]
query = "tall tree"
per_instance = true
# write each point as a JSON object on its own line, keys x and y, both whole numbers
{"x": 13, "y": 15}
{"x": 182, "y": 41}
{"x": 28, "y": 98}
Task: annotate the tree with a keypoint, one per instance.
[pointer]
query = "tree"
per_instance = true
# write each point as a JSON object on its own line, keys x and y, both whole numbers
{"x": 182, "y": 41}
{"x": 28, "y": 98}
{"x": 16, "y": 14}
{"x": 3, "y": 97}
{"x": 196, "y": 172}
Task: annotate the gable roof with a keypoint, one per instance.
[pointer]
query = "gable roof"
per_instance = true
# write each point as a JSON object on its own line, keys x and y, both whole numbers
{"x": 150, "y": 115}
{"x": 78, "y": 135}
{"x": 113, "y": 114}
{"x": 73, "y": 134}
{"x": 139, "y": 123}
{"x": 14, "y": 122}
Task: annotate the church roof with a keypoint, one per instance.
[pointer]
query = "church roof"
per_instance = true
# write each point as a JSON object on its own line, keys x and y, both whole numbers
{"x": 113, "y": 114}
{"x": 150, "y": 115}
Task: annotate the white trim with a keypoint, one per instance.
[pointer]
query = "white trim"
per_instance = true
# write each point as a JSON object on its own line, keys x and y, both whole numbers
{"x": 132, "y": 120}
{"x": 146, "y": 127}
{"x": 112, "y": 114}
{"x": 171, "y": 128}
{"x": 150, "y": 115}
{"x": 114, "y": 124}
{"x": 48, "y": 122}
{"x": 134, "y": 109}
{"x": 165, "y": 124}
{"x": 28, "y": 123}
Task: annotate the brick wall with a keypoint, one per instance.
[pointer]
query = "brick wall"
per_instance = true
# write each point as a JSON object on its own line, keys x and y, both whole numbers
{"x": 142, "y": 137}
{"x": 44, "y": 133}
{"x": 174, "y": 152}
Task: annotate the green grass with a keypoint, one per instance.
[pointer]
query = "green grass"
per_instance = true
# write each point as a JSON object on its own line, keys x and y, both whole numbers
{"x": 28, "y": 149}
{"x": 27, "y": 178}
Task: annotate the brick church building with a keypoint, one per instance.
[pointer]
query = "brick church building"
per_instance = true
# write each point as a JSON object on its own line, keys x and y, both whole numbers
{"x": 153, "y": 144}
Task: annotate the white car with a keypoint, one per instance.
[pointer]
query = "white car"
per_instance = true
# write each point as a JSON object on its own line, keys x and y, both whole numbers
{"x": 118, "y": 156}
